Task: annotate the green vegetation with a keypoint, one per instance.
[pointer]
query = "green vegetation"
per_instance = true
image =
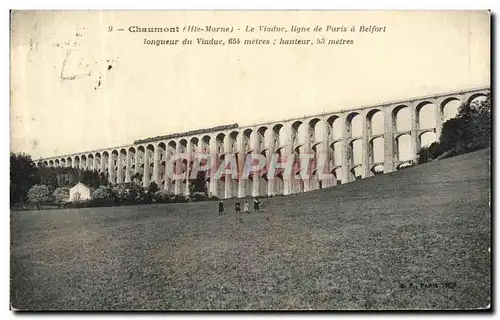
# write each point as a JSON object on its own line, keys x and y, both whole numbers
{"x": 412, "y": 239}
{"x": 469, "y": 131}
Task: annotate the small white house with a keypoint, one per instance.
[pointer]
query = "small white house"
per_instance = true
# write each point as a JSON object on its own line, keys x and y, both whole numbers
{"x": 79, "y": 192}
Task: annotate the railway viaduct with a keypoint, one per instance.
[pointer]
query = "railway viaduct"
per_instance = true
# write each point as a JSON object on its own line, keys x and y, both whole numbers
{"x": 329, "y": 136}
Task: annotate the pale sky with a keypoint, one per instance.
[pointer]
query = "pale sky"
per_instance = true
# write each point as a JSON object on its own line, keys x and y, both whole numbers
{"x": 77, "y": 87}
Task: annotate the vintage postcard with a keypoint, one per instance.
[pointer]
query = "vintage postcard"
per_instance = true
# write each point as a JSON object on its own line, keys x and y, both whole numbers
{"x": 250, "y": 160}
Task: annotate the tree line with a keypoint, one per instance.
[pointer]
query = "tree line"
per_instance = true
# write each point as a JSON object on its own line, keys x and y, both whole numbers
{"x": 44, "y": 185}
{"x": 468, "y": 131}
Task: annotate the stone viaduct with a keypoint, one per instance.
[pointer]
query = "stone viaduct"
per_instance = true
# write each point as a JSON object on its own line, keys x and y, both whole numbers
{"x": 329, "y": 135}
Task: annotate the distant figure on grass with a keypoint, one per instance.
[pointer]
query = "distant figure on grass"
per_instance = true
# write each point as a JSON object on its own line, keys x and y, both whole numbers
{"x": 256, "y": 204}
{"x": 246, "y": 207}
{"x": 221, "y": 207}
{"x": 237, "y": 207}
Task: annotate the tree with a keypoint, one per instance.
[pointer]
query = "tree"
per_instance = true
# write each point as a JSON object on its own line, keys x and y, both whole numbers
{"x": 451, "y": 134}
{"x": 61, "y": 196}
{"x": 163, "y": 196}
{"x": 469, "y": 130}
{"x": 197, "y": 185}
{"x": 38, "y": 194}
{"x": 23, "y": 175}
{"x": 153, "y": 187}
{"x": 428, "y": 153}
{"x": 137, "y": 178}
{"x": 103, "y": 193}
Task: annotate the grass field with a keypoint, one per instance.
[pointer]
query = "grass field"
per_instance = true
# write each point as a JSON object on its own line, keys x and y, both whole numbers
{"x": 413, "y": 239}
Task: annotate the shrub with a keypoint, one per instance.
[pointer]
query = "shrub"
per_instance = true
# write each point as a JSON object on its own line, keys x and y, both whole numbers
{"x": 38, "y": 194}
{"x": 103, "y": 192}
{"x": 199, "y": 196}
{"x": 163, "y": 196}
{"x": 180, "y": 198}
{"x": 60, "y": 196}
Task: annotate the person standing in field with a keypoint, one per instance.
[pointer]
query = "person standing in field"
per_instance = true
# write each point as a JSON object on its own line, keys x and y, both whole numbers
{"x": 237, "y": 207}
{"x": 221, "y": 207}
{"x": 246, "y": 207}
{"x": 256, "y": 204}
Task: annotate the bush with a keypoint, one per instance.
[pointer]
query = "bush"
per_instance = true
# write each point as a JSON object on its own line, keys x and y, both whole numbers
{"x": 470, "y": 130}
{"x": 199, "y": 196}
{"x": 38, "y": 194}
{"x": 60, "y": 196}
{"x": 179, "y": 198}
{"x": 426, "y": 154}
{"x": 163, "y": 196}
{"x": 103, "y": 193}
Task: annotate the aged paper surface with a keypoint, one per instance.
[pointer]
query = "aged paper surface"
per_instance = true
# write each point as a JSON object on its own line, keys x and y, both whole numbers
{"x": 128, "y": 93}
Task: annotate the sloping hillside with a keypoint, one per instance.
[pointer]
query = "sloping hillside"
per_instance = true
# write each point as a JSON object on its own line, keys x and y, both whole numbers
{"x": 412, "y": 239}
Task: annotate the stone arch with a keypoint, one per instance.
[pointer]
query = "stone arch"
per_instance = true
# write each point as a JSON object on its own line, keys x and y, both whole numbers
{"x": 122, "y": 164}
{"x": 373, "y": 125}
{"x": 162, "y": 151}
{"x": 277, "y": 136}
{"x": 471, "y": 97}
{"x": 261, "y": 137}
{"x": 140, "y": 153}
{"x": 233, "y": 141}
{"x": 376, "y": 149}
{"x": 279, "y": 184}
{"x": 334, "y": 127}
{"x": 426, "y": 138}
{"x": 377, "y": 169}
{"x": 263, "y": 184}
{"x": 355, "y": 152}
{"x": 219, "y": 143}
{"x": 115, "y": 166}
{"x": 335, "y": 153}
{"x": 246, "y": 141}
{"x": 105, "y": 161}
{"x": 98, "y": 160}
{"x": 205, "y": 144}
{"x": 162, "y": 159}
{"x": 56, "y": 163}
{"x": 149, "y": 163}
{"x": 403, "y": 147}
{"x": 69, "y": 162}
{"x": 425, "y": 114}
{"x": 404, "y": 164}
{"x": 401, "y": 118}
{"x": 90, "y": 161}
{"x": 46, "y": 163}
{"x": 83, "y": 161}
{"x": 193, "y": 145}
{"x": 76, "y": 162}
{"x": 354, "y": 124}
{"x": 449, "y": 107}
{"x": 296, "y": 133}
{"x": 182, "y": 147}
{"x": 336, "y": 172}
{"x": 314, "y": 134}
{"x": 356, "y": 172}
{"x": 131, "y": 161}
{"x": 171, "y": 148}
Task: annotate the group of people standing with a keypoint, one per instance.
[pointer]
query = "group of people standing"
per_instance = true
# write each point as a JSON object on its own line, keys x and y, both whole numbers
{"x": 237, "y": 206}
